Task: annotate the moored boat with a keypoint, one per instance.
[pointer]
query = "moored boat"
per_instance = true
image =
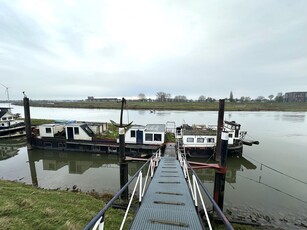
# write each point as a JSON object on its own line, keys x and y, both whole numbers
{"x": 200, "y": 140}
{"x": 91, "y": 137}
{"x": 9, "y": 125}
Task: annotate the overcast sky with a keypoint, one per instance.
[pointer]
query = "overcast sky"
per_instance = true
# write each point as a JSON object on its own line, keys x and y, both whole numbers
{"x": 71, "y": 49}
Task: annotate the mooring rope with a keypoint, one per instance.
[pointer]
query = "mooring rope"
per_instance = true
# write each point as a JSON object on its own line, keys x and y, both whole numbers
{"x": 275, "y": 170}
{"x": 276, "y": 189}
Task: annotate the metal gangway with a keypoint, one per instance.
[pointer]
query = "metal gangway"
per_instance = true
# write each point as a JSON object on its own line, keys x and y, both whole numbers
{"x": 170, "y": 197}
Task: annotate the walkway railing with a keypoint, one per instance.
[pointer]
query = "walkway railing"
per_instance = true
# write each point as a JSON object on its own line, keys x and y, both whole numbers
{"x": 196, "y": 185}
{"x": 98, "y": 221}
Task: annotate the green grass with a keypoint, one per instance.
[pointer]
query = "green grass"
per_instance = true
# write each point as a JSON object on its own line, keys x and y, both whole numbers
{"x": 25, "y": 207}
{"x": 187, "y": 106}
{"x": 41, "y": 121}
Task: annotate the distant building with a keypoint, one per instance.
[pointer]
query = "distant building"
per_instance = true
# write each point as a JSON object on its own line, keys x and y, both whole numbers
{"x": 296, "y": 97}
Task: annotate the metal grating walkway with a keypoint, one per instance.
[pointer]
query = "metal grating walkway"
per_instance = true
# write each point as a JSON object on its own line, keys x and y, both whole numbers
{"x": 167, "y": 203}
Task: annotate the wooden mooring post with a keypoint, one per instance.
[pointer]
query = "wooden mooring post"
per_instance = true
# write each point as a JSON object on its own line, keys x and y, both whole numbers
{"x": 221, "y": 150}
{"x": 220, "y": 124}
{"x": 26, "y": 106}
{"x": 220, "y": 175}
{"x": 123, "y": 165}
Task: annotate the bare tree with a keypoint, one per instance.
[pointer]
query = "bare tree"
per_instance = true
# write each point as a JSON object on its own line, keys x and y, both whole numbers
{"x": 202, "y": 98}
{"x": 180, "y": 98}
{"x": 210, "y": 99}
{"x": 260, "y": 98}
{"x": 141, "y": 96}
{"x": 271, "y": 97}
{"x": 279, "y": 97}
{"x": 162, "y": 96}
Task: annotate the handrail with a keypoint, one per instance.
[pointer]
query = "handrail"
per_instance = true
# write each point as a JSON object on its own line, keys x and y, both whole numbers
{"x": 99, "y": 218}
{"x": 196, "y": 190}
{"x": 215, "y": 205}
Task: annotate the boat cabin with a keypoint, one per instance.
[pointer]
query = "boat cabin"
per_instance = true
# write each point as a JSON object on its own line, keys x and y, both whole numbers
{"x": 6, "y": 116}
{"x": 151, "y": 134}
{"x": 233, "y": 130}
{"x": 79, "y": 131}
{"x": 50, "y": 130}
{"x": 198, "y": 138}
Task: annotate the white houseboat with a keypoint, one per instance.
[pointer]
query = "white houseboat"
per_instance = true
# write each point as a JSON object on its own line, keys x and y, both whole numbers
{"x": 200, "y": 140}
{"x": 151, "y": 134}
{"x": 88, "y": 137}
{"x": 9, "y": 126}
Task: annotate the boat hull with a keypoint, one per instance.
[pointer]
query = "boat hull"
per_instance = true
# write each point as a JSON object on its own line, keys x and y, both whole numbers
{"x": 207, "y": 152}
{"x": 13, "y": 132}
{"x": 96, "y": 146}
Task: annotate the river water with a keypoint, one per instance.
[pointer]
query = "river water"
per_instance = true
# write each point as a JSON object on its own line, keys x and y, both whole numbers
{"x": 267, "y": 184}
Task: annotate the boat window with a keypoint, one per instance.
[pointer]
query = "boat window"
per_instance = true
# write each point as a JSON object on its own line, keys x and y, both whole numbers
{"x": 190, "y": 139}
{"x": 200, "y": 140}
{"x": 158, "y": 137}
{"x": 48, "y": 130}
{"x": 132, "y": 133}
{"x": 210, "y": 140}
{"x": 230, "y": 135}
{"x": 4, "y": 118}
{"x": 148, "y": 137}
{"x": 76, "y": 129}
{"x": 10, "y": 118}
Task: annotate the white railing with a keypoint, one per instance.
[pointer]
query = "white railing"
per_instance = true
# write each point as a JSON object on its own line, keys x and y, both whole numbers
{"x": 194, "y": 187}
{"x": 154, "y": 162}
{"x": 195, "y": 184}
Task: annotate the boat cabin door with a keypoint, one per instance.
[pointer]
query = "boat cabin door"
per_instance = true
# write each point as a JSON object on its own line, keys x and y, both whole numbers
{"x": 70, "y": 133}
{"x": 139, "y": 137}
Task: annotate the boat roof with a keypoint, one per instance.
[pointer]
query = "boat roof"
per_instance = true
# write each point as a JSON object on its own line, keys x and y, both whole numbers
{"x": 3, "y": 112}
{"x": 75, "y": 124}
{"x": 52, "y": 125}
{"x": 155, "y": 127}
{"x": 137, "y": 127}
{"x": 200, "y": 132}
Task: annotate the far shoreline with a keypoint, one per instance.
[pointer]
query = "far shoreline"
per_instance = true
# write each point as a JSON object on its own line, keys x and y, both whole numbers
{"x": 180, "y": 106}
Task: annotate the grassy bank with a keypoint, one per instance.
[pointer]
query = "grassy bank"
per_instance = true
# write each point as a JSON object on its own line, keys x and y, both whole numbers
{"x": 25, "y": 207}
{"x": 187, "y": 106}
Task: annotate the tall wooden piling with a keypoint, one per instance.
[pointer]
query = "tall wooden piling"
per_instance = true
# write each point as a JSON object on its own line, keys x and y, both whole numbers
{"x": 26, "y": 106}
{"x": 123, "y": 165}
{"x": 220, "y": 175}
{"x": 220, "y": 124}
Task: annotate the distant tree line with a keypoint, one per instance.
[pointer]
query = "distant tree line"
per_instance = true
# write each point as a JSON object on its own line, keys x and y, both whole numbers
{"x": 167, "y": 97}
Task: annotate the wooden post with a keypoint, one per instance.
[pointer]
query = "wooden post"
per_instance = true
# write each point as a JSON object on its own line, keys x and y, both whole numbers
{"x": 220, "y": 176}
{"x": 123, "y": 165}
{"x": 220, "y": 124}
{"x": 26, "y": 106}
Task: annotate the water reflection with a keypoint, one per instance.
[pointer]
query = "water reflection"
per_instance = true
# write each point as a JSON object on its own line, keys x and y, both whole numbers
{"x": 234, "y": 165}
{"x": 294, "y": 117}
{"x": 76, "y": 162}
{"x": 10, "y": 148}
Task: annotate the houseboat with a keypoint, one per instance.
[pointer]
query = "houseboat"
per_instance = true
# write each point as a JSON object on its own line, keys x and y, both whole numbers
{"x": 200, "y": 140}
{"x": 9, "y": 125}
{"x": 90, "y": 137}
